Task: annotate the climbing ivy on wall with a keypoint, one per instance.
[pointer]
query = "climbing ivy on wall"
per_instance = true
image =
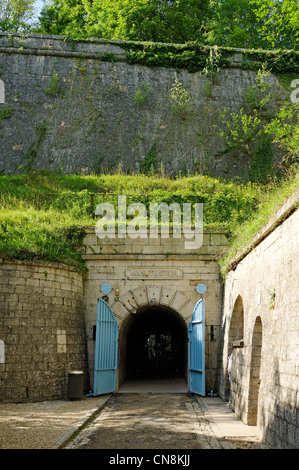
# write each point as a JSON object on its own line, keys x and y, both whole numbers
{"x": 276, "y": 61}
{"x": 5, "y": 113}
{"x": 149, "y": 164}
{"x": 191, "y": 56}
{"x": 194, "y": 56}
{"x": 31, "y": 154}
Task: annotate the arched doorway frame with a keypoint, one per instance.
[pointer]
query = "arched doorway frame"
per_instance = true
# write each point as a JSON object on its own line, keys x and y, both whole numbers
{"x": 133, "y": 300}
{"x": 235, "y": 347}
{"x": 139, "y": 359}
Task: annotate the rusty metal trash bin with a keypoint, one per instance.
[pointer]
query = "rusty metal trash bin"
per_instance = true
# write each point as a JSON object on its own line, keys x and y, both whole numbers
{"x": 75, "y": 385}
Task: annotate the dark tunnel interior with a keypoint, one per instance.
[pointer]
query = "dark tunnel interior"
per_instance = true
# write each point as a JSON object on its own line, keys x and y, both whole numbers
{"x": 156, "y": 345}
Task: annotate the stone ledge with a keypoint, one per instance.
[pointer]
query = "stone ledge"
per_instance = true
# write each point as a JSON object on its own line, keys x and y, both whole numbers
{"x": 36, "y": 263}
{"x": 186, "y": 257}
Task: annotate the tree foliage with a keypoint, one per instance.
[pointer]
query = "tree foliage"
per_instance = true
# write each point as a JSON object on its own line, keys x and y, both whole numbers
{"x": 139, "y": 20}
{"x": 234, "y": 23}
{"x": 284, "y": 130}
{"x": 278, "y": 22}
{"x": 67, "y": 18}
{"x": 148, "y": 20}
{"x": 15, "y": 15}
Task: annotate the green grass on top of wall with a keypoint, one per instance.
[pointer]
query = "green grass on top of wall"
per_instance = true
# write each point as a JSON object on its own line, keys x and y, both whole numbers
{"x": 272, "y": 199}
{"x": 43, "y": 214}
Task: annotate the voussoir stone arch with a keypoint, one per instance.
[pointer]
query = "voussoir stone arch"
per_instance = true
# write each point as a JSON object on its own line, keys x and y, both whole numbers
{"x": 163, "y": 296}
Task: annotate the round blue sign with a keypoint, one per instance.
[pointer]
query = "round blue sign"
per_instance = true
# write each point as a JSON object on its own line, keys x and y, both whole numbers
{"x": 201, "y": 288}
{"x": 106, "y": 288}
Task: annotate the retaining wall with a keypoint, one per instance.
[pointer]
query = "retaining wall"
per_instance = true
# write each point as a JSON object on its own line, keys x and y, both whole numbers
{"x": 71, "y": 109}
{"x": 261, "y": 320}
{"x": 42, "y": 330}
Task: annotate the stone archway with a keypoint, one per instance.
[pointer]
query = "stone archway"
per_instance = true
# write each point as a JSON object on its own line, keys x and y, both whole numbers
{"x": 152, "y": 314}
{"x": 233, "y": 388}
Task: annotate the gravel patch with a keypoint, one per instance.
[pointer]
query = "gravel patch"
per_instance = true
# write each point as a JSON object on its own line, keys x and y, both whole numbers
{"x": 40, "y": 425}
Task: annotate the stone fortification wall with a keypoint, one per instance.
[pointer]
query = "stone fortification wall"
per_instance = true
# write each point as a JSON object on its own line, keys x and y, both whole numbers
{"x": 81, "y": 107}
{"x": 142, "y": 269}
{"x": 42, "y": 332}
{"x": 260, "y": 318}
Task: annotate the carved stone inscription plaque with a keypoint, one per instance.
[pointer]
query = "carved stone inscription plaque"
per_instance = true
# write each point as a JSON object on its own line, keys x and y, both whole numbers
{"x": 153, "y": 273}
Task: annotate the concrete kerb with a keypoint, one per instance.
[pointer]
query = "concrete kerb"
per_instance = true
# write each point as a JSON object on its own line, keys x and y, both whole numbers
{"x": 223, "y": 421}
{"x": 66, "y": 437}
{"x": 214, "y": 428}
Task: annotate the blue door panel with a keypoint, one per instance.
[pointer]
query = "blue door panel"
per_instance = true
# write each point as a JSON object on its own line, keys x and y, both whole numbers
{"x": 106, "y": 348}
{"x": 104, "y": 382}
{"x": 196, "y": 350}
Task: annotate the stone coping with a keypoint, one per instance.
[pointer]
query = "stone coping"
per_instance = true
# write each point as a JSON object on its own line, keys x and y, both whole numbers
{"x": 38, "y": 263}
{"x": 65, "y": 39}
{"x": 92, "y": 48}
{"x": 214, "y": 230}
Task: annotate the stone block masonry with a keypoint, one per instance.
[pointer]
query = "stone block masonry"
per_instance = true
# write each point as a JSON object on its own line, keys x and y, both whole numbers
{"x": 141, "y": 271}
{"x": 48, "y": 314}
{"x": 48, "y": 310}
{"x": 71, "y": 109}
{"x": 42, "y": 330}
{"x": 261, "y": 308}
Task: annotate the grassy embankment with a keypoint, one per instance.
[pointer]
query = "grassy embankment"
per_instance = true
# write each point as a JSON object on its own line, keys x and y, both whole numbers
{"x": 42, "y": 215}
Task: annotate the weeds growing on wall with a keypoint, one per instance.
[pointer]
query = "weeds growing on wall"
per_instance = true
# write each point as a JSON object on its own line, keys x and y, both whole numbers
{"x": 5, "y": 113}
{"x": 261, "y": 167}
{"x": 254, "y": 129}
{"x": 54, "y": 88}
{"x": 181, "y": 102}
{"x": 142, "y": 96}
{"x": 149, "y": 164}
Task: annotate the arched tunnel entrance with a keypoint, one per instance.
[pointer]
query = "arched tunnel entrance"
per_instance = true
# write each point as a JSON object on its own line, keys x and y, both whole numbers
{"x": 153, "y": 345}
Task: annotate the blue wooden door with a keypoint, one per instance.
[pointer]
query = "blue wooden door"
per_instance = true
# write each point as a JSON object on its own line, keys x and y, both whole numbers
{"x": 106, "y": 349}
{"x": 196, "y": 350}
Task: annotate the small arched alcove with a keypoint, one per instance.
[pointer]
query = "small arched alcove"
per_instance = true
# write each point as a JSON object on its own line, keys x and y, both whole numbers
{"x": 236, "y": 329}
{"x": 235, "y": 345}
{"x": 255, "y": 367}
